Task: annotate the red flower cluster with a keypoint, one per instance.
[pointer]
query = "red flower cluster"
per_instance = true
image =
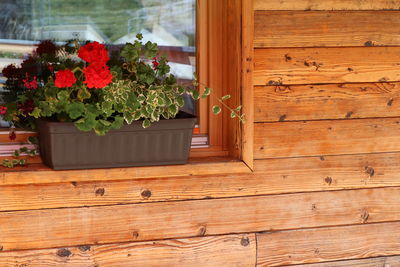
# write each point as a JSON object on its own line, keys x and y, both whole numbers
{"x": 94, "y": 53}
{"x": 46, "y": 47}
{"x": 97, "y": 74}
{"x": 10, "y": 71}
{"x": 3, "y": 110}
{"x": 30, "y": 84}
{"x": 26, "y": 107}
{"x": 155, "y": 63}
{"x": 12, "y": 135}
{"x": 64, "y": 78}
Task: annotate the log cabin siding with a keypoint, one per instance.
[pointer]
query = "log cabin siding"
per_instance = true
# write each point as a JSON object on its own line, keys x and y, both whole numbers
{"x": 324, "y": 190}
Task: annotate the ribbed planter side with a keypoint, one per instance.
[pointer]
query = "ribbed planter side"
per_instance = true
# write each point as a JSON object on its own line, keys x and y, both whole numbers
{"x": 167, "y": 142}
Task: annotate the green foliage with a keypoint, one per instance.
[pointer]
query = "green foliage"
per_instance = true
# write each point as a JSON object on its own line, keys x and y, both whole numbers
{"x": 142, "y": 89}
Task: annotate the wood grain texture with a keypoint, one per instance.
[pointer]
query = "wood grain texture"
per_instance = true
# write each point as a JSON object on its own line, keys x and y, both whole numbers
{"x": 393, "y": 261}
{"x": 326, "y": 65}
{"x": 247, "y": 82}
{"x": 313, "y": 138}
{"x": 37, "y": 173}
{"x": 230, "y": 250}
{"x": 328, "y": 244}
{"x": 152, "y": 221}
{"x": 271, "y": 176}
{"x": 326, "y": 5}
{"x": 331, "y": 101}
{"x": 326, "y": 28}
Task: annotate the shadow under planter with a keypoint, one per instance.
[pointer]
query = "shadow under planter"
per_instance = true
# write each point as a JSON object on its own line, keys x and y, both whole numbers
{"x": 167, "y": 142}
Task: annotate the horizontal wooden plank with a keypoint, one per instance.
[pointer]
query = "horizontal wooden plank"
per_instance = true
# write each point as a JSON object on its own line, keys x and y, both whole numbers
{"x": 287, "y": 66}
{"x": 392, "y": 261}
{"x": 312, "y": 138}
{"x": 37, "y": 173}
{"x": 271, "y": 176}
{"x": 328, "y": 244}
{"x": 152, "y": 221}
{"x": 326, "y": 5}
{"x": 326, "y": 28}
{"x": 330, "y": 101}
{"x": 230, "y": 250}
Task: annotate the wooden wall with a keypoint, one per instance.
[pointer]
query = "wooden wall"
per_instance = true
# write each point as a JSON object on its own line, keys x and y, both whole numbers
{"x": 326, "y": 104}
{"x": 326, "y": 182}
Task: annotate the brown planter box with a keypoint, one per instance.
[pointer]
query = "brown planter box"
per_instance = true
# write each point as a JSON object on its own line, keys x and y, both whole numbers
{"x": 167, "y": 142}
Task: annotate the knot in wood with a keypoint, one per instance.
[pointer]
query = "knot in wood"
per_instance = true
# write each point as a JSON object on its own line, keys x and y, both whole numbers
{"x": 135, "y": 234}
{"x": 370, "y": 171}
{"x": 328, "y": 180}
{"x": 202, "y": 230}
{"x": 146, "y": 194}
{"x": 364, "y": 216}
{"x": 84, "y": 248}
{"x": 64, "y": 252}
{"x": 245, "y": 241}
{"x": 100, "y": 192}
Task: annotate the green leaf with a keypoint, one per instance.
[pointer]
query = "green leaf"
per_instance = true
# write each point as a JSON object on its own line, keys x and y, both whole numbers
{"x": 128, "y": 117}
{"x": 150, "y": 49}
{"x": 206, "y": 93}
{"x": 238, "y": 108}
{"x": 195, "y": 94}
{"x": 75, "y": 110}
{"x": 87, "y": 123}
{"x": 146, "y": 123}
{"x": 118, "y": 122}
{"x": 130, "y": 52}
{"x": 36, "y": 112}
{"x": 180, "y": 100}
{"x": 139, "y": 36}
{"x": 216, "y": 109}
{"x": 233, "y": 114}
{"x": 83, "y": 93}
{"x": 225, "y": 97}
{"x": 105, "y": 123}
{"x": 173, "y": 110}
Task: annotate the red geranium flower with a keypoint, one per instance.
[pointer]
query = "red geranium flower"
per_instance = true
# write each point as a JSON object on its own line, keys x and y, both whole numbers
{"x": 30, "y": 84}
{"x": 3, "y": 110}
{"x": 155, "y": 63}
{"x": 94, "y": 53}
{"x": 64, "y": 78}
{"x": 97, "y": 76}
{"x": 46, "y": 47}
{"x": 12, "y": 136}
{"x": 26, "y": 107}
{"x": 11, "y": 71}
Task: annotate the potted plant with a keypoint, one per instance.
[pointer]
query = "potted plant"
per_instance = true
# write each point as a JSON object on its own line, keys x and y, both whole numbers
{"x": 93, "y": 108}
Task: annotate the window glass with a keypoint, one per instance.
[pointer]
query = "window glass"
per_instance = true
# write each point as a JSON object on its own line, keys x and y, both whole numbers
{"x": 169, "y": 23}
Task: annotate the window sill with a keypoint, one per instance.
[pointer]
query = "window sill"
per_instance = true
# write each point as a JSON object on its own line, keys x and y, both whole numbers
{"x": 39, "y": 174}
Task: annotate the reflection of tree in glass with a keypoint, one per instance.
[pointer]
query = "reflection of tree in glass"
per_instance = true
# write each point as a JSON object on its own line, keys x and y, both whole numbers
{"x": 110, "y": 17}
{"x": 15, "y": 19}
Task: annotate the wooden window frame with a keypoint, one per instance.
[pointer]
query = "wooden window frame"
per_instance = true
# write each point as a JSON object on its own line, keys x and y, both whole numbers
{"x": 219, "y": 65}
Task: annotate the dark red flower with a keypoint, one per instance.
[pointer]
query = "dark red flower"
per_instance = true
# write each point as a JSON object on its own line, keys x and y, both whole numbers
{"x": 97, "y": 76}
{"x": 3, "y": 110}
{"x": 64, "y": 78}
{"x": 94, "y": 53}
{"x": 46, "y": 47}
{"x": 155, "y": 63}
{"x": 26, "y": 107}
{"x": 30, "y": 84}
{"x": 12, "y": 135}
{"x": 11, "y": 71}
{"x": 50, "y": 67}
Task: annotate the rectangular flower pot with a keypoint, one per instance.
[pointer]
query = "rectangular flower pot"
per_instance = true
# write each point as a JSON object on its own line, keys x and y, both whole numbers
{"x": 167, "y": 142}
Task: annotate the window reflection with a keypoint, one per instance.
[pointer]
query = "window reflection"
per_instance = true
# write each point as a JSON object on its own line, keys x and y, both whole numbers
{"x": 169, "y": 23}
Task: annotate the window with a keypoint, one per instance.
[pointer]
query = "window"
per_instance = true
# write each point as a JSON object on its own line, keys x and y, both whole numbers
{"x": 170, "y": 23}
